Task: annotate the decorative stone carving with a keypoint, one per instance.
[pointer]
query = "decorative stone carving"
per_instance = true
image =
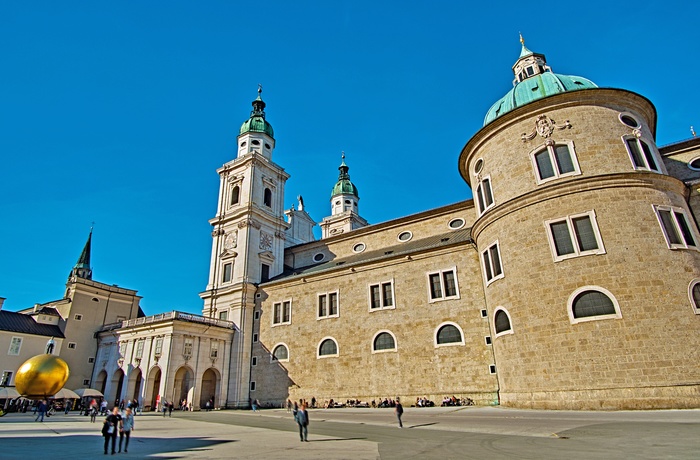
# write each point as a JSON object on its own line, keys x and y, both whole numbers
{"x": 245, "y": 222}
{"x": 281, "y": 235}
{"x": 544, "y": 126}
{"x": 231, "y": 239}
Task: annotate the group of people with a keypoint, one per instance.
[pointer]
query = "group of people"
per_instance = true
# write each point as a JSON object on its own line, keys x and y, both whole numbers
{"x": 118, "y": 423}
{"x": 453, "y": 401}
{"x": 424, "y": 402}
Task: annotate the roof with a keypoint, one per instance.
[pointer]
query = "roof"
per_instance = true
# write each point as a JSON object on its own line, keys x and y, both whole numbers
{"x": 46, "y": 311}
{"x": 344, "y": 186}
{"x": 440, "y": 241}
{"x": 257, "y": 123}
{"x": 25, "y": 324}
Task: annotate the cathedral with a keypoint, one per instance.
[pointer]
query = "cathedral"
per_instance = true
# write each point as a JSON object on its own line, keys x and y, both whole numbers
{"x": 570, "y": 281}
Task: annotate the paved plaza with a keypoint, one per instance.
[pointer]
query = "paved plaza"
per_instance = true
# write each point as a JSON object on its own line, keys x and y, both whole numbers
{"x": 429, "y": 433}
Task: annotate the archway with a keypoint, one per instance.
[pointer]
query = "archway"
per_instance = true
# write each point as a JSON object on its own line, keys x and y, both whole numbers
{"x": 184, "y": 384}
{"x": 101, "y": 381}
{"x": 117, "y": 384}
{"x": 210, "y": 388}
{"x": 134, "y": 388}
{"x": 153, "y": 387}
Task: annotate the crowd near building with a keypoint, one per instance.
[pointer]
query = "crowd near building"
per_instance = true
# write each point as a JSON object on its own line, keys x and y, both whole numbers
{"x": 570, "y": 281}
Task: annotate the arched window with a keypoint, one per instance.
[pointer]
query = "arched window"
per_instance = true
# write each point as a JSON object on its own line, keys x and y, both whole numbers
{"x": 267, "y": 198}
{"x": 328, "y": 347}
{"x": 501, "y": 322}
{"x": 449, "y": 334}
{"x": 591, "y": 303}
{"x": 235, "y": 194}
{"x": 383, "y": 341}
{"x": 694, "y": 292}
{"x": 280, "y": 353}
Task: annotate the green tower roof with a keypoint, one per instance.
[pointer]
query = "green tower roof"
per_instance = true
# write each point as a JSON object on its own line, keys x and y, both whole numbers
{"x": 534, "y": 80}
{"x": 257, "y": 123}
{"x": 344, "y": 186}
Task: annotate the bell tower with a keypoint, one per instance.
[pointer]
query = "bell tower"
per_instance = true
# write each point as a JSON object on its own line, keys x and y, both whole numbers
{"x": 248, "y": 239}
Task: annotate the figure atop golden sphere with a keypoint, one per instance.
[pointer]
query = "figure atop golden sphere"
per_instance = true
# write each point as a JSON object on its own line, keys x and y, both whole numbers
{"x": 42, "y": 375}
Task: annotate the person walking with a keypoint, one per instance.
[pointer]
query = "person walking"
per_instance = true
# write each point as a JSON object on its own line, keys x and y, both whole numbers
{"x": 126, "y": 429}
{"x": 41, "y": 410}
{"x": 109, "y": 430}
{"x": 302, "y": 419}
{"x": 170, "y": 409}
{"x": 398, "y": 410}
{"x": 165, "y": 407}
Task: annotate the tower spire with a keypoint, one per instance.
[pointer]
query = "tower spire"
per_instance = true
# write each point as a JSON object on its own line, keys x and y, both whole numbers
{"x": 82, "y": 267}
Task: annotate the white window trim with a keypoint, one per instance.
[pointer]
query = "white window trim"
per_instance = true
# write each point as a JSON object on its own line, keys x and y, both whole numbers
{"x": 272, "y": 355}
{"x": 326, "y": 294}
{"x": 405, "y": 232}
{"x": 500, "y": 259}
{"x": 510, "y": 321}
{"x": 550, "y": 150}
{"x": 480, "y": 181}
{"x": 696, "y": 308}
{"x": 690, "y": 164}
{"x": 691, "y": 226}
{"x": 452, "y": 344}
{"x": 282, "y": 322}
{"x": 464, "y": 222}
{"x": 453, "y": 269}
{"x": 654, "y": 153}
{"x": 570, "y": 305}
{"x": 223, "y": 272}
{"x": 390, "y": 350}
{"x": 634, "y": 117}
{"x": 318, "y": 348}
{"x": 381, "y": 296}
{"x": 19, "y": 349}
{"x": 569, "y": 223}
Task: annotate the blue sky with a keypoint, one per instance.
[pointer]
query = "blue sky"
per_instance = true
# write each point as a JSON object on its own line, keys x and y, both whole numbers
{"x": 120, "y": 113}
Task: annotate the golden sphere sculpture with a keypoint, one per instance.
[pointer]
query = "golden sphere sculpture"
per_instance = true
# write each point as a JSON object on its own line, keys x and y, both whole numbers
{"x": 41, "y": 376}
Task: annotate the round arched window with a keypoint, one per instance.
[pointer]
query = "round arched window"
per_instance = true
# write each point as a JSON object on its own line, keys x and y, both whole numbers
{"x": 384, "y": 341}
{"x": 448, "y": 334}
{"x": 501, "y": 322}
{"x": 280, "y": 353}
{"x": 328, "y": 347}
{"x": 592, "y": 303}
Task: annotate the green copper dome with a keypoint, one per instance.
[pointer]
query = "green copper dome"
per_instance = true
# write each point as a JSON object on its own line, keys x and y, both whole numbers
{"x": 257, "y": 123}
{"x": 534, "y": 80}
{"x": 344, "y": 186}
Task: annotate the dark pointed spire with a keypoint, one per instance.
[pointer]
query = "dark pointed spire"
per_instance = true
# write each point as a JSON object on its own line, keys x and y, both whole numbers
{"x": 82, "y": 267}
{"x": 258, "y": 104}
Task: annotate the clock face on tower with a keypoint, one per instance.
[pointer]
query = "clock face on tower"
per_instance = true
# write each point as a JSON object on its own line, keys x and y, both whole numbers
{"x": 230, "y": 240}
{"x": 265, "y": 241}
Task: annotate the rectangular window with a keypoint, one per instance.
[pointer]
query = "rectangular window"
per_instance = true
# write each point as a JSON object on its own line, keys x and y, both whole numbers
{"x": 6, "y": 378}
{"x": 484, "y": 195}
{"x": 15, "y": 346}
{"x": 91, "y": 360}
{"x": 189, "y": 344}
{"x": 255, "y": 338}
{"x": 443, "y": 285}
{"x": 555, "y": 161}
{"x": 328, "y": 305}
{"x": 86, "y": 382}
{"x": 227, "y": 274}
{"x": 282, "y": 312}
{"x": 159, "y": 346}
{"x": 256, "y": 315}
{"x": 574, "y": 236}
{"x": 71, "y": 345}
{"x": 254, "y": 361}
{"x": 381, "y": 295}
{"x": 676, "y": 227}
{"x": 223, "y": 315}
{"x": 78, "y": 317}
{"x": 214, "y": 350}
{"x": 252, "y": 386}
{"x": 264, "y": 273}
{"x": 139, "y": 348}
{"x": 122, "y": 349}
{"x": 641, "y": 154}
{"x": 492, "y": 263}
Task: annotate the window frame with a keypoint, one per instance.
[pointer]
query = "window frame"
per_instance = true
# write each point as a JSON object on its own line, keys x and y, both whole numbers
{"x": 450, "y": 344}
{"x": 158, "y": 347}
{"x": 382, "y": 299}
{"x": 213, "y": 349}
{"x": 188, "y": 350}
{"x": 388, "y": 350}
{"x": 441, "y": 277}
{"x": 15, "y": 340}
{"x": 573, "y": 236}
{"x": 140, "y": 344}
{"x": 273, "y": 358}
{"x": 652, "y": 149}
{"x": 224, "y": 279}
{"x": 318, "y": 348}
{"x": 491, "y": 266}
{"x": 281, "y": 305}
{"x": 674, "y": 210}
{"x": 327, "y": 296}
{"x": 550, "y": 148}
{"x": 479, "y": 197}
{"x": 695, "y": 305}
{"x": 510, "y": 323}
{"x": 572, "y": 297}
